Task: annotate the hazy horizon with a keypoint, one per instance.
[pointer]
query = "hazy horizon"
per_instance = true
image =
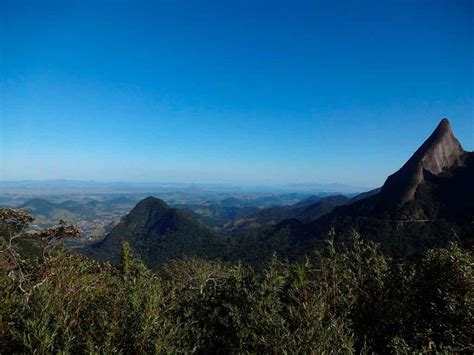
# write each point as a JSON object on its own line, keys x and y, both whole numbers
{"x": 243, "y": 93}
{"x": 59, "y": 186}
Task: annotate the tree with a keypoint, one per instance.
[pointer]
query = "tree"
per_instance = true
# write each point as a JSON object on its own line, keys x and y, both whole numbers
{"x": 13, "y": 227}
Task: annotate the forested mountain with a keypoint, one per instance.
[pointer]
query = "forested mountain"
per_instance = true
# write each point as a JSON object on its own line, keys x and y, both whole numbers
{"x": 158, "y": 233}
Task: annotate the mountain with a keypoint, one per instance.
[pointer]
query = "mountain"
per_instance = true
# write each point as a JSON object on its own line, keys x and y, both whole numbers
{"x": 426, "y": 203}
{"x": 439, "y": 153}
{"x": 158, "y": 233}
{"x": 429, "y": 200}
{"x": 435, "y": 183}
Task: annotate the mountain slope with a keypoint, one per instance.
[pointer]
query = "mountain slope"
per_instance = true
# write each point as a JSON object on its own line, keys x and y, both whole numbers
{"x": 158, "y": 233}
{"x": 306, "y": 210}
{"x": 366, "y": 194}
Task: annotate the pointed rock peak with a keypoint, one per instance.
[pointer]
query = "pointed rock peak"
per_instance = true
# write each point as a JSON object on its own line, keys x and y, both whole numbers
{"x": 444, "y": 125}
{"x": 443, "y": 129}
{"x": 438, "y": 153}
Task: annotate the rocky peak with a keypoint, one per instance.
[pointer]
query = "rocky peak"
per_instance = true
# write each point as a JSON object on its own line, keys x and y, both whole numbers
{"x": 438, "y": 153}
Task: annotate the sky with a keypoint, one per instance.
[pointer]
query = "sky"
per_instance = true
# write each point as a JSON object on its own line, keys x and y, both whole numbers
{"x": 242, "y": 92}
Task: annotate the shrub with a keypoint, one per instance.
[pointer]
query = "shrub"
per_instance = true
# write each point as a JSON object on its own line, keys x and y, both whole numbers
{"x": 342, "y": 300}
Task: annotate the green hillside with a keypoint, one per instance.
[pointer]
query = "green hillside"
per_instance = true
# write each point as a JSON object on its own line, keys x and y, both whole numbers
{"x": 158, "y": 233}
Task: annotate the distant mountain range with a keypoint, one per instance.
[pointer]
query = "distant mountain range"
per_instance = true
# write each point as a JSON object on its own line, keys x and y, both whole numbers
{"x": 27, "y": 187}
{"x": 70, "y": 209}
{"x": 223, "y": 214}
{"x": 306, "y": 210}
{"x": 93, "y": 217}
{"x": 427, "y": 202}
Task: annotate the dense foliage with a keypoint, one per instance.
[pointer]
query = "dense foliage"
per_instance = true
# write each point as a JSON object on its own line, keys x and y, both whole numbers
{"x": 349, "y": 298}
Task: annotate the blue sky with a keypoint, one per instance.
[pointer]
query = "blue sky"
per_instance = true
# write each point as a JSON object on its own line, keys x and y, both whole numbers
{"x": 229, "y": 91}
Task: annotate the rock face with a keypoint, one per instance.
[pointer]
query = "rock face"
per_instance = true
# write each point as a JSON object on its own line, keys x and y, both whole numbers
{"x": 440, "y": 152}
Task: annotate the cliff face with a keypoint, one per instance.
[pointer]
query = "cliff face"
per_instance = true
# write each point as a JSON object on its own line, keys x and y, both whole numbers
{"x": 441, "y": 151}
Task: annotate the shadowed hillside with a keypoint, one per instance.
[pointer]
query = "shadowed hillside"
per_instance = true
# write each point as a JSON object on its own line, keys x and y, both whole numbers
{"x": 158, "y": 233}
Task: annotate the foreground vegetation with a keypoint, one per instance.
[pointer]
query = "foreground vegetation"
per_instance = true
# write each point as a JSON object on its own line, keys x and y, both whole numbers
{"x": 347, "y": 298}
